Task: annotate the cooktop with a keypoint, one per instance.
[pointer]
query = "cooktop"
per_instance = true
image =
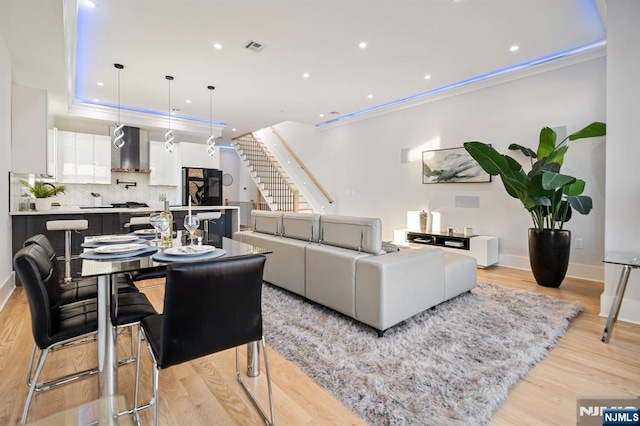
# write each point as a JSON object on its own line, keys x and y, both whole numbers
{"x": 125, "y": 205}
{"x": 129, "y": 204}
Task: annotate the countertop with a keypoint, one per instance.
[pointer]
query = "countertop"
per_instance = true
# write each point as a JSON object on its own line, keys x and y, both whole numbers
{"x": 78, "y": 210}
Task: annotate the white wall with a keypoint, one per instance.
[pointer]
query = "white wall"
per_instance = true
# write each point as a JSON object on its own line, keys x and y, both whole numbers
{"x": 6, "y": 273}
{"x": 359, "y": 163}
{"x": 623, "y": 149}
{"x": 230, "y": 164}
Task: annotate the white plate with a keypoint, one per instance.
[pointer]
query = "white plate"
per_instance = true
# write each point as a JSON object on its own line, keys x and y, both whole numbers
{"x": 189, "y": 250}
{"x": 110, "y": 239}
{"x": 119, "y": 248}
{"x": 149, "y": 231}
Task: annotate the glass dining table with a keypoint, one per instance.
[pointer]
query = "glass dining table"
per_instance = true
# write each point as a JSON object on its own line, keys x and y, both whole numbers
{"x": 147, "y": 259}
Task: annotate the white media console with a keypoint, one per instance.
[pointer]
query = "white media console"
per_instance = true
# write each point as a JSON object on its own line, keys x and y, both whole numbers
{"x": 483, "y": 248}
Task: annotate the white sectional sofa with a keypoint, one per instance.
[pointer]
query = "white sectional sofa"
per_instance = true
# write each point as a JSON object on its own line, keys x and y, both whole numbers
{"x": 339, "y": 262}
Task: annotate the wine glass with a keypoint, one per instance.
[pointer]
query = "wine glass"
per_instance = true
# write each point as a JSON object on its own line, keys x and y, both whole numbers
{"x": 160, "y": 224}
{"x": 191, "y": 223}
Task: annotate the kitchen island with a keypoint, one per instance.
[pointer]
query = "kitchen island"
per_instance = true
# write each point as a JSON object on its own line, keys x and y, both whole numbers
{"x": 105, "y": 220}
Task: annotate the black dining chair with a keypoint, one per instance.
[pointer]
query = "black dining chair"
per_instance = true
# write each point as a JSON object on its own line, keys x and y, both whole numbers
{"x": 81, "y": 289}
{"x": 54, "y": 325}
{"x": 209, "y": 306}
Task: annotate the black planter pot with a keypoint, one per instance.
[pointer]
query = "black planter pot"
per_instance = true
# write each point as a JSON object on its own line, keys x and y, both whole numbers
{"x": 549, "y": 252}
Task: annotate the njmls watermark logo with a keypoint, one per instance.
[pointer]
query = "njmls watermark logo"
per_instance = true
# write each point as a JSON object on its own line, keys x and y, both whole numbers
{"x": 609, "y": 412}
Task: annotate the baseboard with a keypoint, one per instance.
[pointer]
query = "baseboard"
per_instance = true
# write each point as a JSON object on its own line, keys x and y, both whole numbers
{"x": 629, "y": 310}
{"x": 576, "y": 270}
{"x": 6, "y": 288}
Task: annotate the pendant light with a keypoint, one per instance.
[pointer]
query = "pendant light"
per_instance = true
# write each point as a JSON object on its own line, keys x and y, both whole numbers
{"x": 168, "y": 136}
{"x": 211, "y": 142}
{"x": 118, "y": 133}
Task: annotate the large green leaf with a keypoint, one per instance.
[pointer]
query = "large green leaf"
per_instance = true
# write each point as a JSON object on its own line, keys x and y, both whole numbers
{"x": 564, "y": 213}
{"x": 557, "y": 156}
{"x": 552, "y": 180}
{"x": 514, "y": 179}
{"x": 594, "y": 129}
{"x": 528, "y": 152}
{"x": 543, "y": 165}
{"x": 547, "y": 142}
{"x": 575, "y": 189}
{"x": 543, "y": 201}
{"x": 536, "y": 195}
{"x": 489, "y": 159}
{"x": 582, "y": 203}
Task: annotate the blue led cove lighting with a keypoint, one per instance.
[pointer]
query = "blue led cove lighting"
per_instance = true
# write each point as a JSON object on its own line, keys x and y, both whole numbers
{"x": 469, "y": 81}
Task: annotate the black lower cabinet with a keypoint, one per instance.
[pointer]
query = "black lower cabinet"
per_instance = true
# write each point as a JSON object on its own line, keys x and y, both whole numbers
{"x": 24, "y": 227}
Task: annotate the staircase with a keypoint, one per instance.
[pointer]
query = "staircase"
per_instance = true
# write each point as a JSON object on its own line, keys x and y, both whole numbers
{"x": 276, "y": 188}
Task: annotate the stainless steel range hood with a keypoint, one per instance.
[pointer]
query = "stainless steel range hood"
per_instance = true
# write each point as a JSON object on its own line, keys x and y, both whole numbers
{"x": 134, "y": 154}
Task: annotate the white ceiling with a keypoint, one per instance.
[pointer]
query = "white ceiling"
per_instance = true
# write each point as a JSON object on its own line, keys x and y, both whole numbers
{"x": 451, "y": 40}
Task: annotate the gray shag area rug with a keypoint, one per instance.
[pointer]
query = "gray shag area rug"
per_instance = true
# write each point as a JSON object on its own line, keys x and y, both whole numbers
{"x": 450, "y": 365}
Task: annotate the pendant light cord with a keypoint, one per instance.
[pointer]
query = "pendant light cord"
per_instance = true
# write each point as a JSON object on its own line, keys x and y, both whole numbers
{"x": 211, "y": 141}
{"x": 118, "y": 133}
{"x": 168, "y": 136}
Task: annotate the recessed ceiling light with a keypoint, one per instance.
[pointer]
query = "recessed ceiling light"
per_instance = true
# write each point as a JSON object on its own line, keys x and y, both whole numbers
{"x": 91, "y": 4}
{"x": 96, "y": 100}
{"x": 427, "y": 77}
{"x": 217, "y": 46}
{"x": 321, "y": 115}
{"x": 369, "y": 96}
{"x": 305, "y": 75}
{"x": 100, "y": 83}
{"x": 362, "y": 45}
{"x": 233, "y": 130}
{"x": 188, "y": 101}
{"x": 514, "y": 48}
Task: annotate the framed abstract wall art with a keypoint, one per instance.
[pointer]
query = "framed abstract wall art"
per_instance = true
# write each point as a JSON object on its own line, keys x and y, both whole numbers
{"x": 451, "y": 165}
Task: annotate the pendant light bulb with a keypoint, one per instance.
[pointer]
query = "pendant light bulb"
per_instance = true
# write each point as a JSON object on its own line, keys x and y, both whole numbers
{"x": 168, "y": 136}
{"x": 118, "y": 133}
{"x": 211, "y": 142}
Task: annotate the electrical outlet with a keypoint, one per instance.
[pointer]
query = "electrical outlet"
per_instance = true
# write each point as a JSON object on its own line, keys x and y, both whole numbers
{"x": 577, "y": 243}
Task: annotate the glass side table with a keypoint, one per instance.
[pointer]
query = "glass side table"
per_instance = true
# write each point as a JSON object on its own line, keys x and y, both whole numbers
{"x": 628, "y": 261}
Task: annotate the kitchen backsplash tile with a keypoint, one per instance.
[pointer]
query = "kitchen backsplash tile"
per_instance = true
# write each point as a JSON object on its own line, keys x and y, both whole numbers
{"x": 80, "y": 194}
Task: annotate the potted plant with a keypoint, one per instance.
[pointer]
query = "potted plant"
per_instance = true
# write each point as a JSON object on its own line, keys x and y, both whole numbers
{"x": 42, "y": 190}
{"x": 548, "y": 195}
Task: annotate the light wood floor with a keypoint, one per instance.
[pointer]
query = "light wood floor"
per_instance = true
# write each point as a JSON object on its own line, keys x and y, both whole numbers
{"x": 205, "y": 392}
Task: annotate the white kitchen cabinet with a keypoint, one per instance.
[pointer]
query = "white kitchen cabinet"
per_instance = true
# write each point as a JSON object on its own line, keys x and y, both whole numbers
{"x": 67, "y": 171}
{"x": 31, "y": 138}
{"x": 165, "y": 166}
{"x": 84, "y": 158}
{"x": 102, "y": 159}
{"x": 195, "y": 155}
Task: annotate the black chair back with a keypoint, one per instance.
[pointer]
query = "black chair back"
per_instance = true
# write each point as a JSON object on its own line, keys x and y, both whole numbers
{"x": 44, "y": 242}
{"x": 210, "y": 306}
{"x": 37, "y": 274}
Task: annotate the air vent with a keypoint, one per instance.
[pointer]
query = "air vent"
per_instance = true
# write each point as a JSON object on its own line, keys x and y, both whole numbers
{"x": 254, "y": 45}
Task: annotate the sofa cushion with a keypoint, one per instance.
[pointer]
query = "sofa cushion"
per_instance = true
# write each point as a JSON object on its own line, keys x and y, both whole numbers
{"x": 392, "y": 288}
{"x": 460, "y": 274}
{"x": 266, "y": 222}
{"x": 285, "y": 266}
{"x": 301, "y": 226}
{"x": 351, "y": 232}
{"x": 330, "y": 277}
